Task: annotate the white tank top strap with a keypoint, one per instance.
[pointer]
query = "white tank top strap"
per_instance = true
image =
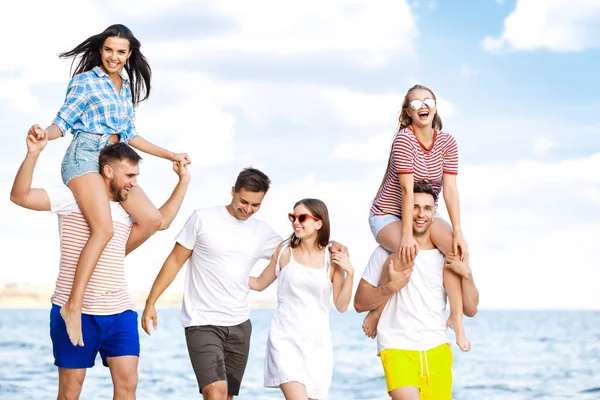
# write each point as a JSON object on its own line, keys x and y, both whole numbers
{"x": 284, "y": 245}
{"x": 326, "y": 261}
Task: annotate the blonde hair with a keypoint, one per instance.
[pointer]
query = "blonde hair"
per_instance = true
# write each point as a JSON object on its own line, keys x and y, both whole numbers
{"x": 404, "y": 121}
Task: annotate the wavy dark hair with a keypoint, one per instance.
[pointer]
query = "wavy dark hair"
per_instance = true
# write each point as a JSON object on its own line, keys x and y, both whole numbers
{"x": 318, "y": 209}
{"x": 404, "y": 120}
{"x": 137, "y": 66}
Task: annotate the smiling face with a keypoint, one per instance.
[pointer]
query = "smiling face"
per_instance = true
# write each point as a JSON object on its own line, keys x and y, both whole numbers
{"x": 123, "y": 177}
{"x": 244, "y": 203}
{"x": 307, "y": 229}
{"x": 114, "y": 53}
{"x": 423, "y": 214}
{"x": 426, "y": 107}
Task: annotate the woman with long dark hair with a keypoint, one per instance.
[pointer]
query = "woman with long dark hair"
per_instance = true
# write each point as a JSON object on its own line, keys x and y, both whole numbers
{"x": 421, "y": 151}
{"x": 299, "y": 356}
{"x": 98, "y": 111}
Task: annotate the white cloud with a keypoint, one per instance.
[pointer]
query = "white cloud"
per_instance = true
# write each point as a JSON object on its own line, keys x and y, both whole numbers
{"x": 555, "y": 25}
{"x": 376, "y": 148}
{"x": 370, "y": 32}
{"x": 541, "y": 145}
{"x": 467, "y": 71}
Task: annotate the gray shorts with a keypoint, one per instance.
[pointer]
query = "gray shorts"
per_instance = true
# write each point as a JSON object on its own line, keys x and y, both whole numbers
{"x": 219, "y": 353}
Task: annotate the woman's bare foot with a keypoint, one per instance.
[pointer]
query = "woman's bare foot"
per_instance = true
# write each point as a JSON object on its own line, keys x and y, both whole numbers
{"x": 73, "y": 323}
{"x": 461, "y": 335}
{"x": 370, "y": 324}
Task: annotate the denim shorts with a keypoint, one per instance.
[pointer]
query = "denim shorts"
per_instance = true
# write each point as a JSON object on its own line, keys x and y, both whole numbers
{"x": 115, "y": 335}
{"x": 377, "y": 222}
{"x": 82, "y": 155}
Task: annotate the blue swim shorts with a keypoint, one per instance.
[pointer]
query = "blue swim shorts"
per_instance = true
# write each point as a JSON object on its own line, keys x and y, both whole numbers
{"x": 114, "y": 335}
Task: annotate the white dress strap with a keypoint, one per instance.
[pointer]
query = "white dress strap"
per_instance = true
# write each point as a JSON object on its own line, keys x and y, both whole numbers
{"x": 281, "y": 250}
{"x": 326, "y": 261}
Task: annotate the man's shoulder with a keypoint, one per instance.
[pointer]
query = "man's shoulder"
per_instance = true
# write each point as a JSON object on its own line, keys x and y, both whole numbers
{"x": 380, "y": 254}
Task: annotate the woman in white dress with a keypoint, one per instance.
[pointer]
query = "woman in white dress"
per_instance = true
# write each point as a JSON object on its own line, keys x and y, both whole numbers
{"x": 299, "y": 356}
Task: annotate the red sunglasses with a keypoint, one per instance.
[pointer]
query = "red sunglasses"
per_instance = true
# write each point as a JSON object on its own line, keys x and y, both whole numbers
{"x": 301, "y": 217}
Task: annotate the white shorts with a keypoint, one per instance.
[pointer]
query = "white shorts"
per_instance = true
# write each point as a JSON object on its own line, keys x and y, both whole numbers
{"x": 377, "y": 222}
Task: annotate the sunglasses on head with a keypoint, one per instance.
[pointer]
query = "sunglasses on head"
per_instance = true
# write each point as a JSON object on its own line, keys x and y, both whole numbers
{"x": 417, "y": 104}
{"x": 301, "y": 217}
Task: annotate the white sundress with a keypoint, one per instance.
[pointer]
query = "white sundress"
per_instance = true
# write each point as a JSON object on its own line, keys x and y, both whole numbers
{"x": 299, "y": 346}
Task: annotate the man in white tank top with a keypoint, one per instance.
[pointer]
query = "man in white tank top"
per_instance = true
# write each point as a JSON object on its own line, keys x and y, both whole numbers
{"x": 411, "y": 334}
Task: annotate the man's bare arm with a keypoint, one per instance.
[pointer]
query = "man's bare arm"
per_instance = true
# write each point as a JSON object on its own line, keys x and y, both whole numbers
{"x": 470, "y": 293}
{"x": 179, "y": 255}
{"x": 369, "y": 297}
{"x": 21, "y": 193}
{"x": 168, "y": 211}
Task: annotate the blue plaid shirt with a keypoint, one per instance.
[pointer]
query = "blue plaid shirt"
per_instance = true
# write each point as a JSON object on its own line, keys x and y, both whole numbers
{"x": 92, "y": 105}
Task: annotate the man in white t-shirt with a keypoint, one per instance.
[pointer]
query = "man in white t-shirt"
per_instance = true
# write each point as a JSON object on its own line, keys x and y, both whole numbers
{"x": 109, "y": 320}
{"x": 222, "y": 244}
{"x": 411, "y": 335}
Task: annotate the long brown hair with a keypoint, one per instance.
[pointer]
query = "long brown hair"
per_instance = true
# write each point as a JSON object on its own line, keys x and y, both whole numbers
{"x": 404, "y": 121}
{"x": 137, "y": 67}
{"x": 318, "y": 209}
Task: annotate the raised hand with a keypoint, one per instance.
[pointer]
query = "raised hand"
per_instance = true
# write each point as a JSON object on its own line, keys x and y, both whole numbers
{"x": 181, "y": 157}
{"x": 180, "y": 168}
{"x": 37, "y": 131}
{"x": 36, "y": 144}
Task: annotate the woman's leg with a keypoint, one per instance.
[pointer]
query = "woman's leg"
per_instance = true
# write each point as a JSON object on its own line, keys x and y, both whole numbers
{"x": 389, "y": 237}
{"x": 144, "y": 213}
{"x": 293, "y": 391}
{"x": 441, "y": 236}
{"x": 91, "y": 195}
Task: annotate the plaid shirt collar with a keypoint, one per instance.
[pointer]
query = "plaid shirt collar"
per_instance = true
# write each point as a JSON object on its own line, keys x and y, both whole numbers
{"x": 100, "y": 73}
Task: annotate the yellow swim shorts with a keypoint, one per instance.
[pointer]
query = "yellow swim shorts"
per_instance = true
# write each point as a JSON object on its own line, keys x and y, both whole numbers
{"x": 430, "y": 371}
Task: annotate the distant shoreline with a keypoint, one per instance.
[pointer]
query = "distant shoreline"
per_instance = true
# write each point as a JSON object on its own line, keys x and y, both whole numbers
{"x": 18, "y": 296}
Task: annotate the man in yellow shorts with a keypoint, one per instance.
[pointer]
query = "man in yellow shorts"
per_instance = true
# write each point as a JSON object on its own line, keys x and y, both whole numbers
{"x": 411, "y": 334}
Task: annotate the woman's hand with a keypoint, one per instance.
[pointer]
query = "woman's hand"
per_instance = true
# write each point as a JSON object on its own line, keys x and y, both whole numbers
{"x": 181, "y": 157}
{"x": 36, "y": 131}
{"x": 342, "y": 261}
{"x": 460, "y": 246}
{"x": 409, "y": 248}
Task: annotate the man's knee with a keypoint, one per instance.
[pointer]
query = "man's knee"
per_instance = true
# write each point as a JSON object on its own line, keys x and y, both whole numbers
{"x": 215, "y": 391}
{"x": 70, "y": 389}
{"x": 126, "y": 384}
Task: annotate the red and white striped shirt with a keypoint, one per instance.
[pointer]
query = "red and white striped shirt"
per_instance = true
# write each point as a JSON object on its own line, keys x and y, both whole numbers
{"x": 409, "y": 156}
{"x": 106, "y": 292}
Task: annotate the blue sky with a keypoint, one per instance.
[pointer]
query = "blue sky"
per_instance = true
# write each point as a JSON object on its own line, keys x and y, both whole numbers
{"x": 310, "y": 94}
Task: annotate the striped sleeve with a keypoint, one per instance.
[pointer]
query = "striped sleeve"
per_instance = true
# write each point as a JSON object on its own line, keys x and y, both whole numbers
{"x": 450, "y": 159}
{"x": 403, "y": 157}
{"x": 74, "y": 105}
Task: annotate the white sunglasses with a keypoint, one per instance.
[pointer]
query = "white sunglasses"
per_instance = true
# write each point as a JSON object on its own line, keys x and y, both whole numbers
{"x": 417, "y": 104}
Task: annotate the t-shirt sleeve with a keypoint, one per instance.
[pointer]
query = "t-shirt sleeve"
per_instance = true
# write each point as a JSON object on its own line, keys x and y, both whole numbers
{"x": 74, "y": 105}
{"x": 189, "y": 233}
{"x": 403, "y": 157}
{"x": 372, "y": 273}
{"x": 451, "y": 156}
{"x": 272, "y": 240}
{"x": 62, "y": 200}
